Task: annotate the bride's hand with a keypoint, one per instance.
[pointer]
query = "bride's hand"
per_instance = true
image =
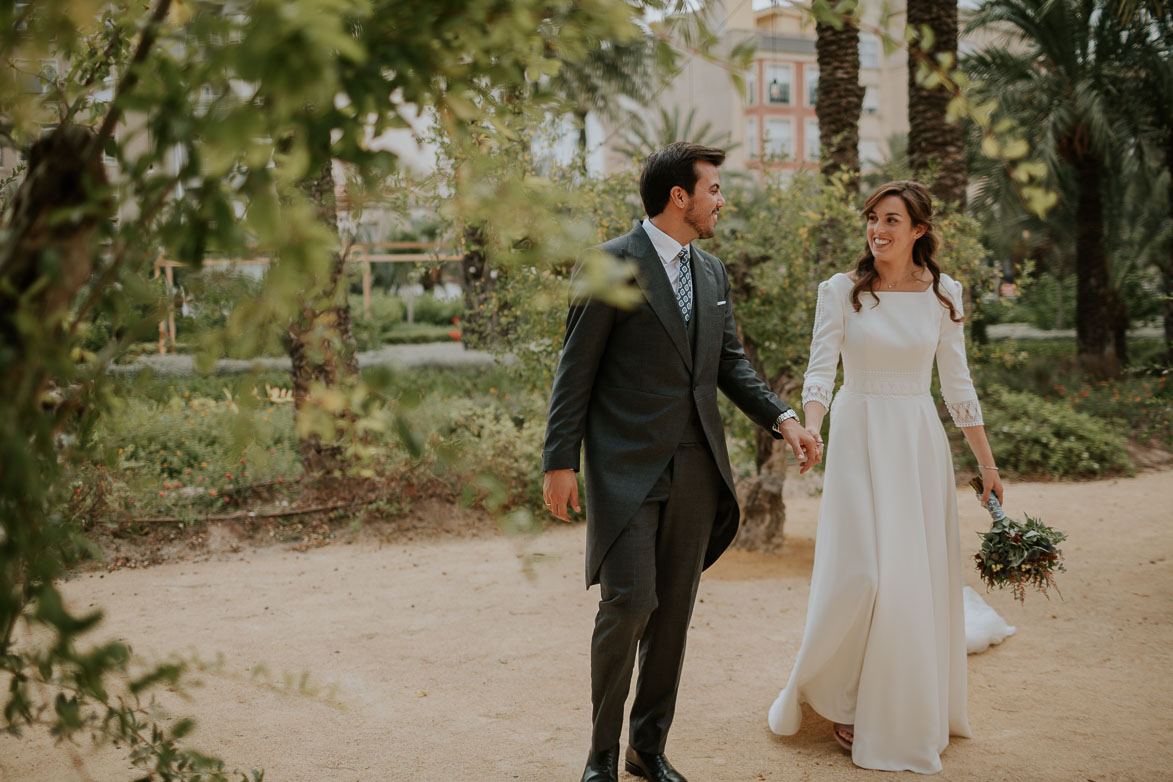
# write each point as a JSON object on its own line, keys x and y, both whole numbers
{"x": 808, "y": 451}
{"x": 991, "y": 484}
{"x": 814, "y": 432}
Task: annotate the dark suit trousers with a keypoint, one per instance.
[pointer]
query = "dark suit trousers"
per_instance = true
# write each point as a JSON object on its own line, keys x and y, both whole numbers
{"x": 648, "y": 583}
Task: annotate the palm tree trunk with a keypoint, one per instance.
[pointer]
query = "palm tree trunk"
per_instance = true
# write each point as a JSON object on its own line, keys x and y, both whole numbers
{"x": 1094, "y": 311}
{"x": 840, "y": 97}
{"x": 935, "y": 145}
{"x": 321, "y": 344}
{"x": 1168, "y": 275}
{"x": 1168, "y": 270}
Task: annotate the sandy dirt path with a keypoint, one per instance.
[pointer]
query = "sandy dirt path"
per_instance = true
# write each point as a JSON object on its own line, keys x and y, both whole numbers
{"x": 465, "y": 660}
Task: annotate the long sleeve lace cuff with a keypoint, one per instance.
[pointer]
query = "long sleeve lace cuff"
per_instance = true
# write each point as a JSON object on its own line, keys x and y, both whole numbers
{"x": 817, "y": 393}
{"x": 967, "y": 413}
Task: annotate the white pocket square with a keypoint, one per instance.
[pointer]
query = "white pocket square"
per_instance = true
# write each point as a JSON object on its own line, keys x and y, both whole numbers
{"x": 722, "y": 301}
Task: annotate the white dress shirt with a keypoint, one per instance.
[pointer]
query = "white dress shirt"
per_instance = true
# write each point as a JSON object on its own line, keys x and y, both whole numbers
{"x": 668, "y": 249}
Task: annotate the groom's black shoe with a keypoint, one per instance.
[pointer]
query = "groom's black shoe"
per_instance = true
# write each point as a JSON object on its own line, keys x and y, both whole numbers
{"x": 653, "y": 767}
{"x": 602, "y": 766}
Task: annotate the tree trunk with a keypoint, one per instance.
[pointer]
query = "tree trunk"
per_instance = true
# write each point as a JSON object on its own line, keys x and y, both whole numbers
{"x": 1094, "y": 311}
{"x": 935, "y": 147}
{"x": 763, "y": 511}
{"x": 481, "y": 322}
{"x": 322, "y": 349}
{"x": 840, "y": 98}
{"x": 1059, "y": 303}
{"x": 64, "y": 169}
{"x": 45, "y": 261}
{"x": 1168, "y": 271}
{"x": 1168, "y": 275}
{"x": 580, "y": 120}
{"x": 1119, "y": 309}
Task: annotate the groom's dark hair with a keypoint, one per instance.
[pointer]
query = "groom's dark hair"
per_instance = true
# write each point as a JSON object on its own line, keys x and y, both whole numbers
{"x": 672, "y": 166}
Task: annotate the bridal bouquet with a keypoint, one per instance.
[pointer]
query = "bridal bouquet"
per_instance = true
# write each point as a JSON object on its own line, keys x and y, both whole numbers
{"x": 1018, "y": 553}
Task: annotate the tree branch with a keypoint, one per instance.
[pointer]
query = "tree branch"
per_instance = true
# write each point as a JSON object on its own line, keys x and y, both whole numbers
{"x": 105, "y": 60}
{"x": 128, "y": 82}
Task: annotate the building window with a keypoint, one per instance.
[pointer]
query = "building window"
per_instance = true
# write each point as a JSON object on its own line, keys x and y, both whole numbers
{"x": 36, "y": 75}
{"x": 178, "y": 161}
{"x": 811, "y": 140}
{"x": 871, "y": 100}
{"x": 751, "y": 87}
{"x": 778, "y": 83}
{"x": 869, "y": 153}
{"x": 869, "y": 51}
{"x": 752, "y": 139}
{"x": 811, "y": 72}
{"x": 779, "y": 138}
{"x": 48, "y": 74}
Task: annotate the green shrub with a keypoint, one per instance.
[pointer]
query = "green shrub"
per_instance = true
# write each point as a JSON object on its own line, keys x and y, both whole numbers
{"x": 1039, "y": 303}
{"x": 1034, "y": 438}
{"x": 1140, "y": 408}
{"x": 501, "y": 450}
{"x": 176, "y": 446}
{"x": 182, "y": 455}
{"x": 429, "y": 309}
{"x": 1138, "y": 405}
{"x": 386, "y": 325}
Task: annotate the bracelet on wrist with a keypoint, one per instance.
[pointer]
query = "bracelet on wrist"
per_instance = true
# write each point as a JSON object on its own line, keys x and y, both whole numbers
{"x": 988, "y": 467}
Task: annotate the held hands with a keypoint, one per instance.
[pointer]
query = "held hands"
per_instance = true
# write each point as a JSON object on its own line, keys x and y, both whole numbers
{"x": 807, "y": 445}
{"x": 560, "y": 487}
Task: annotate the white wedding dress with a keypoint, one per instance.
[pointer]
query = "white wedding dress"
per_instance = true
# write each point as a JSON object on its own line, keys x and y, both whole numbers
{"x": 884, "y": 648}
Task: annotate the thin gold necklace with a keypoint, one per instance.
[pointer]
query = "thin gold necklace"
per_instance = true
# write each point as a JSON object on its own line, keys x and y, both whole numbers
{"x": 912, "y": 276}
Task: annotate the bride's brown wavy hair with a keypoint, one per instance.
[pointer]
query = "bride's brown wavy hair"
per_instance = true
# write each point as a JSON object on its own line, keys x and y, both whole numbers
{"x": 920, "y": 208}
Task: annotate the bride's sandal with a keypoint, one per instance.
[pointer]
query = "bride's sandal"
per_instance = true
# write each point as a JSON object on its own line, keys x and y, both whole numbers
{"x": 844, "y": 734}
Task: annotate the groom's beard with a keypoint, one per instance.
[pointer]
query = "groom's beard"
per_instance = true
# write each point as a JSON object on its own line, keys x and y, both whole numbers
{"x": 701, "y": 222}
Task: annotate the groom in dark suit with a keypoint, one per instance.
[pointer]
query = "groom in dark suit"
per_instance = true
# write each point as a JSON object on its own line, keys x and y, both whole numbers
{"x": 639, "y": 387}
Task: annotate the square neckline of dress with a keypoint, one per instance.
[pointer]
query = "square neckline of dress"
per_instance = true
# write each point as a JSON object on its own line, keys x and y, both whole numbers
{"x": 923, "y": 290}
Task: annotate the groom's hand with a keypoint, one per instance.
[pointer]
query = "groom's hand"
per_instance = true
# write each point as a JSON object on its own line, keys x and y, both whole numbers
{"x": 560, "y": 487}
{"x": 807, "y": 449}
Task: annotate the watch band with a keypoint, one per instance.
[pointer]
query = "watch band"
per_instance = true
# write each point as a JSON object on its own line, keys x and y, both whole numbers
{"x": 784, "y": 417}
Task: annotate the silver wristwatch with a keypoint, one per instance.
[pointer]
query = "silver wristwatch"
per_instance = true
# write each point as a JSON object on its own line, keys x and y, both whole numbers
{"x": 783, "y": 417}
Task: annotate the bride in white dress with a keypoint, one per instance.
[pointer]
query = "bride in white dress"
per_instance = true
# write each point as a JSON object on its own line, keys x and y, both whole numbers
{"x": 883, "y": 652}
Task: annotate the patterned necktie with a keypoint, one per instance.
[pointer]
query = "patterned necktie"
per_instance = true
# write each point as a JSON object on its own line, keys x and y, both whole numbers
{"x": 684, "y": 286}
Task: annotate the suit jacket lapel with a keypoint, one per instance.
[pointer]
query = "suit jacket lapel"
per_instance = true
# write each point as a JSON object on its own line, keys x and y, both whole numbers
{"x": 704, "y": 309}
{"x": 653, "y": 281}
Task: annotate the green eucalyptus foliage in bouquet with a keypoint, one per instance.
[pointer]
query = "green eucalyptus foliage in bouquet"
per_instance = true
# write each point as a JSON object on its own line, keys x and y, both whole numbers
{"x": 1018, "y": 553}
